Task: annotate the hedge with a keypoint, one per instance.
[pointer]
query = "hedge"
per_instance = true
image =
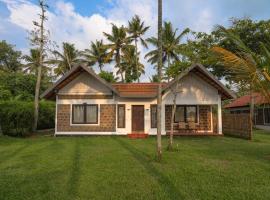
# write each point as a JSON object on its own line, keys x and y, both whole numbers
{"x": 16, "y": 117}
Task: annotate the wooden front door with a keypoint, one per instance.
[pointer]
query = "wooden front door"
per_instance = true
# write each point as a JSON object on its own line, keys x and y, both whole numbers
{"x": 138, "y": 118}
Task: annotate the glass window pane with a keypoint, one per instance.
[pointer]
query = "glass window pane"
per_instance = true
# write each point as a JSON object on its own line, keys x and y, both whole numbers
{"x": 191, "y": 113}
{"x": 91, "y": 114}
{"x": 153, "y": 116}
{"x": 179, "y": 114}
{"x": 267, "y": 115}
{"x": 78, "y": 114}
{"x": 121, "y": 116}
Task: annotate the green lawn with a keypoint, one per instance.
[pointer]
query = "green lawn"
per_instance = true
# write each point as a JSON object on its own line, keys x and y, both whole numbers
{"x": 120, "y": 168}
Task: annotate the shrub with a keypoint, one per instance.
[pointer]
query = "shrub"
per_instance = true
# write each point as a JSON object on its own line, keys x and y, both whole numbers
{"x": 16, "y": 117}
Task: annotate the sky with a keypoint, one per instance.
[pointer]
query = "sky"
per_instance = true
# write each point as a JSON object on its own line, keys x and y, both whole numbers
{"x": 83, "y": 21}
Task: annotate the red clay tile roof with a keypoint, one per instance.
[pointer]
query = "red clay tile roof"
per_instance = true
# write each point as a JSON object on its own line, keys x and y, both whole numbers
{"x": 245, "y": 101}
{"x": 137, "y": 90}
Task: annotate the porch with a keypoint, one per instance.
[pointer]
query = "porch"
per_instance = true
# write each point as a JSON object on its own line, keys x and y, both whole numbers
{"x": 194, "y": 120}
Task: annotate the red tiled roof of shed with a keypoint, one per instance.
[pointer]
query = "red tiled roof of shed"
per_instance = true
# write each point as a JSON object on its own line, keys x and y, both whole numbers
{"x": 245, "y": 101}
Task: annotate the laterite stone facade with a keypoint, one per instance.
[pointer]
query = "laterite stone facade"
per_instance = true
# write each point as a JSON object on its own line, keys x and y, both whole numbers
{"x": 205, "y": 122}
{"x": 107, "y": 119}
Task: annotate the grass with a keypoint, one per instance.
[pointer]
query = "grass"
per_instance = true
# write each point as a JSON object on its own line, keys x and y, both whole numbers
{"x": 120, "y": 168}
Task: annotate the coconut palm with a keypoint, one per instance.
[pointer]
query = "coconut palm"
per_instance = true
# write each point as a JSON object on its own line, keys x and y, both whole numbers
{"x": 170, "y": 45}
{"x": 130, "y": 64}
{"x": 32, "y": 62}
{"x": 97, "y": 54}
{"x": 66, "y": 59}
{"x": 159, "y": 72}
{"x": 118, "y": 40}
{"x": 137, "y": 29}
{"x": 247, "y": 66}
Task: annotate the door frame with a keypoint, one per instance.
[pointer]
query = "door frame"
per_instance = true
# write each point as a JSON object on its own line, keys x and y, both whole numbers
{"x": 133, "y": 131}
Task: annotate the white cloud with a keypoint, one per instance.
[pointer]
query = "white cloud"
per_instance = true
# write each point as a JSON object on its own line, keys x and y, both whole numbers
{"x": 65, "y": 24}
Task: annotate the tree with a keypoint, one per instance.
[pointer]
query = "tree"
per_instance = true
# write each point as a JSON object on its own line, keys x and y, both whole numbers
{"x": 251, "y": 33}
{"x": 174, "y": 90}
{"x": 39, "y": 38}
{"x": 97, "y": 54}
{"x": 66, "y": 59}
{"x": 32, "y": 62}
{"x": 159, "y": 70}
{"x": 170, "y": 45}
{"x": 131, "y": 64}
{"x": 108, "y": 76}
{"x": 137, "y": 29}
{"x": 10, "y": 59}
{"x": 245, "y": 65}
{"x": 175, "y": 69}
{"x": 118, "y": 40}
{"x": 154, "y": 78}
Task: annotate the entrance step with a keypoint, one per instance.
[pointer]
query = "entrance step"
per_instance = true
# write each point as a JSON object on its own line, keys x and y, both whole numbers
{"x": 137, "y": 135}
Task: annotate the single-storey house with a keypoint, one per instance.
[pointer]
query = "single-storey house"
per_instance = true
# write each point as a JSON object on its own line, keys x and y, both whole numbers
{"x": 88, "y": 105}
{"x": 261, "y": 108}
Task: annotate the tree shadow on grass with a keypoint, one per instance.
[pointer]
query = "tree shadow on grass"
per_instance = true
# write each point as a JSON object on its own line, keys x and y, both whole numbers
{"x": 9, "y": 156}
{"x": 73, "y": 182}
{"x": 170, "y": 189}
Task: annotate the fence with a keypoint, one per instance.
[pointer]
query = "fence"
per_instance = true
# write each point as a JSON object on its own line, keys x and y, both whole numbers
{"x": 238, "y": 125}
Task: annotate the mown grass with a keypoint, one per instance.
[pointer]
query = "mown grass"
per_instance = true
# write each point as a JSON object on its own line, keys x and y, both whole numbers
{"x": 120, "y": 168}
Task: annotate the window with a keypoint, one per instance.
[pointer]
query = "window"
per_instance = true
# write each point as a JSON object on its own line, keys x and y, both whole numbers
{"x": 153, "y": 109}
{"x": 179, "y": 115}
{"x": 185, "y": 114}
{"x": 267, "y": 115}
{"x": 121, "y": 116}
{"x": 191, "y": 113}
{"x": 85, "y": 114}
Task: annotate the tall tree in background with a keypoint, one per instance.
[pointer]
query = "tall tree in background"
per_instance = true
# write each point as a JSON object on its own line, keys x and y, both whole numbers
{"x": 130, "y": 64}
{"x": 65, "y": 59}
{"x": 137, "y": 29}
{"x": 9, "y": 57}
{"x": 170, "y": 45}
{"x": 118, "y": 40}
{"x": 97, "y": 54}
{"x": 32, "y": 62}
{"x": 159, "y": 69}
{"x": 39, "y": 39}
{"x": 246, "y": 66}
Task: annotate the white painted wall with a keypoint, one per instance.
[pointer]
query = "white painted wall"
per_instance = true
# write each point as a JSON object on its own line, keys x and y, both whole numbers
{"x": 85, "y": 84}
{"x": 193, "y": 89}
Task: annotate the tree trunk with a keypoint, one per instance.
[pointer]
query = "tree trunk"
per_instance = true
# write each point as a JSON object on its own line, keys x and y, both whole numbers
{"x": 36, "y": 103}
{"x": 170, "y": 146}
{"x": 251, "y": 111}
{"x": 136, "y": 61}
{"x": 1, "y": 132}
{"x": 159, "y": 99}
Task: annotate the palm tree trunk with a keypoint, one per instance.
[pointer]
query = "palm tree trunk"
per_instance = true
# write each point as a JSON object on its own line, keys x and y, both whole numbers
{"x": 100, "y": 67}
{"x": 168, "y": 65}
{"x": 136, "y": 61}
{"x": 170, "y": 146}
{"x": 159, "y": 99}
{"x": 36, "y": 103}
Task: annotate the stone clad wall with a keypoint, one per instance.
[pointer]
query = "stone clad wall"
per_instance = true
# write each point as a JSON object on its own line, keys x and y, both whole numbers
{"x": 238, "y": 125}
{"x": 107, "y": 119}
{"x": 204, "y": 124}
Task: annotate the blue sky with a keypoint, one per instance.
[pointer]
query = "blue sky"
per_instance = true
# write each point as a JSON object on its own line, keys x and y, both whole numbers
{"x": 82, "y": 21}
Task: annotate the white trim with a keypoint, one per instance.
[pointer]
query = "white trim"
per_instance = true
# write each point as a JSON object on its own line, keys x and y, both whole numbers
{"x": 219, "y": 116}
{"x": 88, "y": 101}
{"x": 89, "y": 133}
{"x": 56, "y": 111}
{"x": 212, "y": 127}
{"x": 71, "y": 124}
{"x": 84, "y": 93}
